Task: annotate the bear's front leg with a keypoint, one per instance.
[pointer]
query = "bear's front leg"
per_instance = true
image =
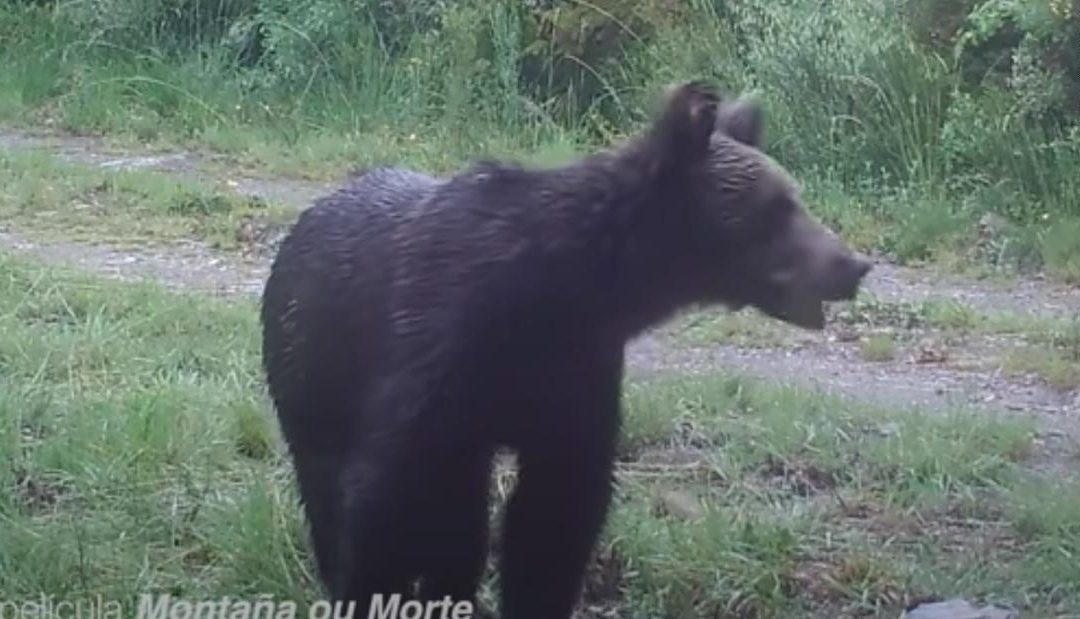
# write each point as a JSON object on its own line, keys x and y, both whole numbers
{"x": 454, "y": 539}
{"x": 553, "y": 521}
{"x": 563, "y": 493}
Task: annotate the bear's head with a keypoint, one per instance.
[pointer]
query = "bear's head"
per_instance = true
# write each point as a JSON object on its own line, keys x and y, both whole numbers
{"x": 753, "y": 241}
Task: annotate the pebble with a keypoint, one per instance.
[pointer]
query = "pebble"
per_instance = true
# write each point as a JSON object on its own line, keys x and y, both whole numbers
{"x": 958, "y": 609}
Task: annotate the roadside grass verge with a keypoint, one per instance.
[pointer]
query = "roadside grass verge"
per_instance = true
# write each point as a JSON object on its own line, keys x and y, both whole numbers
{"x": 82, "y": 202}
{"x": 142, "y": 457}
{"x": 746, "y": 499}
{"x": 904, "y": 148}
{"x": 1021, "y": 343}
{"x": 139, "y": 455}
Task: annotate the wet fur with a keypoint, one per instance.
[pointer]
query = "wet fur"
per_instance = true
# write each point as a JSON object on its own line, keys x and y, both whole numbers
{"x": 413, "y": 324}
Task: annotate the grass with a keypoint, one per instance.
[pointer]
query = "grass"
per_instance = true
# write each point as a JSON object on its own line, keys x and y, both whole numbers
{"x": 1057, "y": 368}
{"x": 1021, "y": 344}
{"x": 76, "y": 201}
{"x": 878, "y": 348}
{"x": 900, "y": 318}
{"x": 816, "y": 507}
{"x": 140, "y": 455}
{"x": 895, "y": 147}
{"x": 1061, "y": 251}
{"x": 143, "y": 457}
{"x": 81, "y": 202}
{"x": 745, "y": 328}
{"x": 954, "y": 317}
{"x": 1047, "y": 347}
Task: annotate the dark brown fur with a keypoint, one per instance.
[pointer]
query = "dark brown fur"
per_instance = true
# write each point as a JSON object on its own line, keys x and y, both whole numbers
{"x": 414, "y": 324}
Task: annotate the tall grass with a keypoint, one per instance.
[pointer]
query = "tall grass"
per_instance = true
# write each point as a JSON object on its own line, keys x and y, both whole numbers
{"x": 903, "y": 147}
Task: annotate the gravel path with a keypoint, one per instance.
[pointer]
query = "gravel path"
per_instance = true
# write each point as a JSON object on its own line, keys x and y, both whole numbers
{"x": 826, "y": 363}
{"x": 92, "y": 151}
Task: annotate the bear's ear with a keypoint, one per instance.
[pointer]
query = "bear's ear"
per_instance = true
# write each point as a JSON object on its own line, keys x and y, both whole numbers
{"x": 687, "y": 122}
{"x": 742, "y": 120}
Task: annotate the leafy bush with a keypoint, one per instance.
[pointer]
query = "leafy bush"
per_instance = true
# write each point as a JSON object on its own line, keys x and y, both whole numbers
{"x": 924, "y": 113}
{"x": 157, "y": 24}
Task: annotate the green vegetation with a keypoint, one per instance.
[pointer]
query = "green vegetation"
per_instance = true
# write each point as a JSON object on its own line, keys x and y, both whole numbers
{"x": 747, "y": 328}
{"x": 1019, "y": 343}
{"x": 878, "y": 348}
{"x": 1061, "y": 369}
{"x": 138, "y": 456}
{"x": 908, "y": 122}
{"x": 143, "y": 458}
{"x": 124, "y": 206}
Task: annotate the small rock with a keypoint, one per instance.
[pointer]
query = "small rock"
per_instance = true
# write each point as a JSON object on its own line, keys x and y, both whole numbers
{"x": 958, "y": 609}
{"x": 931, "y": 353}
{"x": 678, "y": 504}
{"x": 889, "y": 429}
{"x": 846, "y": 335}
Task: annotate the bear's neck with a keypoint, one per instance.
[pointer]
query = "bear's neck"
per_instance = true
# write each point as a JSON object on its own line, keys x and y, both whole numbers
{"x": 637, "y": 235}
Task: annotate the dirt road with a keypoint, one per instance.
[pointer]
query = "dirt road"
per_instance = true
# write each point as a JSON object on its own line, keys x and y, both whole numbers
{"x": 828, "y": 361}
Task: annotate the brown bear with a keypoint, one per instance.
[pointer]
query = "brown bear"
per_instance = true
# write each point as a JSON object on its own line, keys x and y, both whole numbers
{"x": 414, "y": 324}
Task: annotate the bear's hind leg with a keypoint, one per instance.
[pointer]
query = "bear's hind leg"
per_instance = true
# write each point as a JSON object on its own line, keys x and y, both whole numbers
{"x": 321, "y": 497}
{"x": 376, "y": 549}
